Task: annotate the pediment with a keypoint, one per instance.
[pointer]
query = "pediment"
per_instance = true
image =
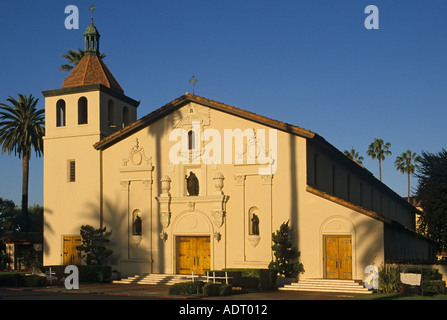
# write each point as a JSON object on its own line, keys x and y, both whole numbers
{"x": 192, "y": 113}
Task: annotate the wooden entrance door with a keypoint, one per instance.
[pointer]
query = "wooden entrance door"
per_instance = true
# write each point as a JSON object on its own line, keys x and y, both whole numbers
{"x": 72, "y": 256}
{"x": 338, "y": 253}
{"x": 193, "y": 255}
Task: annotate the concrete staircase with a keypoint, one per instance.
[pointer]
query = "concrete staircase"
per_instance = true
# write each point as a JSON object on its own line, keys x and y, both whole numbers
{"x": 160, "y": 279}
{"x": 327, "y": 285}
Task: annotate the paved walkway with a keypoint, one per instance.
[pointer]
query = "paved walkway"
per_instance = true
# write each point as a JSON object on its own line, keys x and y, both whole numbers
{"x": 162, "y": 292}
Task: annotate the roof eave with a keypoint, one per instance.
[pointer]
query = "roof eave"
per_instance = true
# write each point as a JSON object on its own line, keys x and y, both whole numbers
{"x": 91, "y": 88}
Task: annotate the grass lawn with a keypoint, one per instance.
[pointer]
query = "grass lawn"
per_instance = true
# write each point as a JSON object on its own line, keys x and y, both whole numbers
{"x": 396, "y": 296}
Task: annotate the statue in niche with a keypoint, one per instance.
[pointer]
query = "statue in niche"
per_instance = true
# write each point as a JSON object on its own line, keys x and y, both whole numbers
{"x": 137, "y": 226}
{"x": 192, "y": 184}
{"x": 255, "y": 225}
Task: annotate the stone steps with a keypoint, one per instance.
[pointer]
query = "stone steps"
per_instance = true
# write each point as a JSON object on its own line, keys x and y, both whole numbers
{"x": 327, "y": 285}
{"x": 160, "y": 279}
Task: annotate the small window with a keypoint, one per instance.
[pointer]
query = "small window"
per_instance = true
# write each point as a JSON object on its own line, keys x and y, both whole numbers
{"x": 111, "y": 114}
{"x": 60, "y": 113}
{"x": 71, "y": 171}
{"x": 191, "y": 140}
{"x": 82, "y": 111}
{"x": 125, "y": 117}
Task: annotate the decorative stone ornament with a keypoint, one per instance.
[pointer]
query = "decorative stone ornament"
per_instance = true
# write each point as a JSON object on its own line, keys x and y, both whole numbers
{"x": 165, "y": 185}
{"x": 218, "y": 183}
{"x": 137, "y": 156}
{"x": 165, "y": 219}
{"x": 254, "y": 240}
{"x": 218, "y": 217}
{"x": 217, "y": 236}
{"x": 136, "y": 240}
{"x": 165, "y": 202}
{"x": 163, "y": 236}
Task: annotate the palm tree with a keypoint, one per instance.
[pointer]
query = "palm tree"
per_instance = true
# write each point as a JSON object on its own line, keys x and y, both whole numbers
{"x": 353, "y": 155}
{"x": 407, "y": 163}
{"x": 73, "y": 57}
{"x": 378, "y": 150}
{"x": 21, "y": 130}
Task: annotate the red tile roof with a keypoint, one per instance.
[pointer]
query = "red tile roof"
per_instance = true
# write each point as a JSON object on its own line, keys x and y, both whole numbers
{"x": 91, "y": 70}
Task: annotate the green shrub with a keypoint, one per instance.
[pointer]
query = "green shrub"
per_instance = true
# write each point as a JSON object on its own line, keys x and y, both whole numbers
{"x": 249, "y": 282}
{"x": 433, "y": 287}
{"x": 9, "y": 279}
{"x": 100, "y": 274}
{"x": 211, "y": 289}
{"x": 216, "y": 289}
{"x": 31, "y": 281}
{"x": 389, "y": 278}
{"x": 20, "y": 279}
{"x": 94, "y": 273}
{"x": 285, "y": 260}
{"x": 262, "y": 279}
{"x": 225, "y": 290}
{"x": 431, "y": 274}
{"x": 186, "y": 288}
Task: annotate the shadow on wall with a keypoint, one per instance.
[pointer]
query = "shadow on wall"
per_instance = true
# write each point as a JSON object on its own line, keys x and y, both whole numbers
{"x": 293, "y": 186}
{"x": 154, "y": 131}
{"x": 47, "y": 229}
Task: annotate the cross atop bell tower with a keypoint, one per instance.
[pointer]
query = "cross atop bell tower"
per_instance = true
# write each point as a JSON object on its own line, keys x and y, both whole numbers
{"x": 91, "y": 37}
{"x": 92, "y": 9}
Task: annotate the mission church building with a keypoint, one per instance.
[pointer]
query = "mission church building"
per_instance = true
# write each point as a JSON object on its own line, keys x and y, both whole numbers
{"x": 199, "y": 185}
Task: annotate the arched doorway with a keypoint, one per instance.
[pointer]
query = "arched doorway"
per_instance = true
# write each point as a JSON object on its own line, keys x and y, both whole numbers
{"x": 193, "y": 246}
{"x": 338, "y": 249}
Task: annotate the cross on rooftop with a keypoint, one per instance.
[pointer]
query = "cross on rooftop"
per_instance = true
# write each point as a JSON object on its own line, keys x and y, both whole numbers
{"x": 193, "y": 82}
{"x": 92, "y": 8}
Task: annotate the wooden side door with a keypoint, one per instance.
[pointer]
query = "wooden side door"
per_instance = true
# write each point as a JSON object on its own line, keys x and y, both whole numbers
{"x": 345, "y": 257}
{"x": 193, "y": 255}
{"x": 331, "y": 254}
{"x": 203, "y": 252}
{"x": 72, "y": 256}
{"x": 338, "y": 257}
{"x": 185, "y": 255}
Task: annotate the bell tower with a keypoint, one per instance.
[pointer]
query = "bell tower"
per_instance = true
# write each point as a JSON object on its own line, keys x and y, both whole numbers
{"x": 90, "y": 106}
{"x": 91, "y": 37}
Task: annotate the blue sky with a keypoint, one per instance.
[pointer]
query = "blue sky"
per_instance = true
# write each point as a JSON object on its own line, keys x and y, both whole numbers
{"x": 309, "y": 63}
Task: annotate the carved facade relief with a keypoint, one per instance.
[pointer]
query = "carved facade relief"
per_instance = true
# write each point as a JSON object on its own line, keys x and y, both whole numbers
{"x": 137, "y": 156}
{"x": 185, "y": 117}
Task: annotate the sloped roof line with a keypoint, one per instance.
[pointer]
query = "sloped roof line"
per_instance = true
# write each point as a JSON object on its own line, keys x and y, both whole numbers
{"x": 187, "y": 98}
{"x": 91, "y": 70}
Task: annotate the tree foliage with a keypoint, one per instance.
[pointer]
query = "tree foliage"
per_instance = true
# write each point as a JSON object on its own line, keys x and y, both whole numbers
{"x": 286, "y": 257}
{"x": 21, "y": 130}
{"x": 407, "y": 163}
{"x": 8, "y": 216}
{"x": 378, "y": 150}
{"x": 11, "y": 219}
{"x": 432, "y": 195}
{"x": 93, "y": 245}
{"x": 354, "y": 155}
{"x": 73, "y": 57}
